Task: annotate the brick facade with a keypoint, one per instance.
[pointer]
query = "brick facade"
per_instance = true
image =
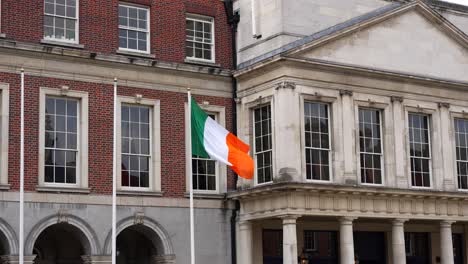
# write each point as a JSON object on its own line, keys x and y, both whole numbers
{"x": 22, "y": 20}
{"x": 100, "y": 132}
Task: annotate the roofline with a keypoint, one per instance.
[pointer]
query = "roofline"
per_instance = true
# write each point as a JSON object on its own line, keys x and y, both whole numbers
{"x": 447, "y": 5}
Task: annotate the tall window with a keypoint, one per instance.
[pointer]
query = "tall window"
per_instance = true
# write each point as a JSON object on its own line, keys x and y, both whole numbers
{"x": 133, "y": 28}
{"x": 61, "y": 20}
{"x": 199, "y": 43}
{"x": 461, "y": 138}
{"x": 370, "y": 146}
{"x": 263, "y": 143}
{"x": 317, "y": 141}
{"x": 420, "y": 150}
{"x": 136, "y": 146}
{"x": 61, "y": 140}
{"x": 204, "y": 172}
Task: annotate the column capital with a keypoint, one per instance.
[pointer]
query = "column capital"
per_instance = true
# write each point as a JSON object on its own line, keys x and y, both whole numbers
{"x": 446, "y": 223}
{"x": 164, "y": 259}
{"x": 346, "y": 220}
{"x": 397, "y": 99}
{"x": 14, "y": 259}
{"x": 285, "y": 85}
{"x": 399, "y": 221}
{"x": 245, "y": 224}
{"x": 346, "y": 92}
{"x": 289, "y": 219}
{"x": 87, "y": 259}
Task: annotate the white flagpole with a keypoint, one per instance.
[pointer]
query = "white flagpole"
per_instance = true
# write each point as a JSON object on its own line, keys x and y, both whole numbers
{"x": 21, "y": 222}
{"x": 114, "y": 180}
{"x": 189, "y": 164}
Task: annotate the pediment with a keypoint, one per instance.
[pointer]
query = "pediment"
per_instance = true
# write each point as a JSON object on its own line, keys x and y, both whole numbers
{"x": 414, "y": 41}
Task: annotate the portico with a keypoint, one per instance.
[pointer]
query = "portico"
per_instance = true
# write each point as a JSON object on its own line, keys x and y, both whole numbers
{"x": 342, "y": 226}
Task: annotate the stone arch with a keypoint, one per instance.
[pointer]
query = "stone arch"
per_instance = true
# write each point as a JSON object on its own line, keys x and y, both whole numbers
{"x": 86, "y": 234}
{"x": 8, "y": 238}
{"x": 160, "y": 238}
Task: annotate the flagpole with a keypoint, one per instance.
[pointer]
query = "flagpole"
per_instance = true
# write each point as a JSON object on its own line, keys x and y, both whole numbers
{"x": 21, "y": 222}
{"x": 189, "y": 164}
{"x": 114, "y": 176}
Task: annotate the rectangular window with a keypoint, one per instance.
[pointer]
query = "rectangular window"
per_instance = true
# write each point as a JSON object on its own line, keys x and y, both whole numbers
{"x": 136, "y": 146}
{"x": 420, "y": 150}
{"x": 133, "y": 28}
{"x": 263, "y": 143}
{"x": 199, "y": 43}
{"x": 320, "y": 246}
{"x": 204, "y": 171}
{"x": 461, "y": 140}
{"x": 317, "y": 141}
{"x": 370, "y": 146}
{"x": 61, "y": 140}
{"x": 417, "y": 245}
{"x": 61, "y": 20}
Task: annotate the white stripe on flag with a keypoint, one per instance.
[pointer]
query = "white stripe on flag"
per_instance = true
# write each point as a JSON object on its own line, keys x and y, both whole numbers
{"x": 214, "y": 139}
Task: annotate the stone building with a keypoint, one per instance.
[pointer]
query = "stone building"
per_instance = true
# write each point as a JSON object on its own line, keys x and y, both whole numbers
{"x": 71, "y": 51}
{"x": 357, "y": 114}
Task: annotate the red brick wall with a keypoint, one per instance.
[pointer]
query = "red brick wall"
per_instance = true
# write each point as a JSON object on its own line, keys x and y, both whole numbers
{"x": 101, "y": 132}
{"x": 22, "y": 20}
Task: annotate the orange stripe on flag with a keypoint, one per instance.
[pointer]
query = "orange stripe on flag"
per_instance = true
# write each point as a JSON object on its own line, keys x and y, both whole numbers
{"x": 238, "y": 156}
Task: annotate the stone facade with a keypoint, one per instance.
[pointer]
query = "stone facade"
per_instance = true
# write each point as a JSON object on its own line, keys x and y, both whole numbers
{"x": 394, "y": 58}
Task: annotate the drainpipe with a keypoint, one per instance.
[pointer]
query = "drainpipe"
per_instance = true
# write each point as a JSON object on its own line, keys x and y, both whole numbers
{"x": 233, "y": 20}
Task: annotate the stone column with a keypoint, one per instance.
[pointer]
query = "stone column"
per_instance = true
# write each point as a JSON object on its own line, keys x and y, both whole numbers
{"x": 10, "y": 259}
{"x": 289, "y": 239}
{"x": 400, "y": 135}
{"x": 245, "y": 243}
{"x": 87, "y": 259}
{"x": 348, "y": 129}
{"x": 446, "y": 242}
{"x": 398, "y": 241}
{"x": 346, "y": 240}
{"x": 448, "y": 141}
{"x": 287, "y": 117}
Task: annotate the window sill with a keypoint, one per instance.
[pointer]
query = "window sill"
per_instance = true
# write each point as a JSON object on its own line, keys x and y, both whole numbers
{"x": 4, "y": 187}
{"x": 140, "y": 193}
{"x": 63, "y": 189}
{"x": 135, "y": 54}
{"x": 2, "y": 35}
{"x": 216, "y": 196}
{"x": 200, "y": 62}
{"x": 62, "y": 44}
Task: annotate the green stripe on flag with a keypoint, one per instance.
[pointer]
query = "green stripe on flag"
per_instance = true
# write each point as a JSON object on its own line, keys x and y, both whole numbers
{"x": 198, "y": 119}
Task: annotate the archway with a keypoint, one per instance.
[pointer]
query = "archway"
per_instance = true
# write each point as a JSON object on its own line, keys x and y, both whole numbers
{"x": 61, "y": 244}
{"x": 141, "y": 240}
{"x": 136, "y": 246}
{"x": 3, "y": 246}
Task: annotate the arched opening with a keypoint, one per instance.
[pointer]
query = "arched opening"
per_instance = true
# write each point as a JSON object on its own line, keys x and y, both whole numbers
{"x": 137, "y": 244}
{"x": 61, "y": 244}
{"x": 3, "y": 246}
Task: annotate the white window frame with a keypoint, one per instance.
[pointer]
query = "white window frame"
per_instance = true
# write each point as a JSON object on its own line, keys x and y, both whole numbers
{"x": 77, "y": 26}
{"x": 220, "y": 169}
{"x": 430, "y": 116}
{"x": 382, "y": 145}
{"x": 204, "y": 19}
{"x": 148, "y": 30}
{"x": 254, "y": 152}
{"x": 82, "y": 139}
{"x": 453, "y": 119}
{"x": 4, "y": 123}
{"x": 330, "y": 133}
{"x": 155, "y": 143}
{"x": 332, "y": 103}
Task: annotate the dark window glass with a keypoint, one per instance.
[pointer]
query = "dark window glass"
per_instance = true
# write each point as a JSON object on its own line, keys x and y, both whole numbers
{"x": 370, "y": 146}
{"x": 61, "y": 140}
{"x": 262, "y": 143}
{"x": 420, "y": 153}
{"x": 317, "y": 141}
{"x": 461, "y": 143}
{"x": 136, "y": 147}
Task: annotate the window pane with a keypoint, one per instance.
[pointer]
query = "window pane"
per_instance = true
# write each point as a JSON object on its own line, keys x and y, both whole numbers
{"x": 461, "y": 135}
{"x": 419, "y": 149}
{"x": 317, "y": 141}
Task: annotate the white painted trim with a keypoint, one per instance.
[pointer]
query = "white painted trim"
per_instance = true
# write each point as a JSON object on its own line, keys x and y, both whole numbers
{"x": 221, "y": 169}
{"x": 204, "y": 19}
{"x": 82, "y": 160}
{"x": 148, "y": 29}
{"x": 77, "y": 27}
{"x": 4, "y": 131}
{"x": 155, "y": 141}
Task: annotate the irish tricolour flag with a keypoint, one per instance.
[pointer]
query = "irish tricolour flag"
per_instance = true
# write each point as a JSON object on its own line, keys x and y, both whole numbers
{"x": 211, "y": 140}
